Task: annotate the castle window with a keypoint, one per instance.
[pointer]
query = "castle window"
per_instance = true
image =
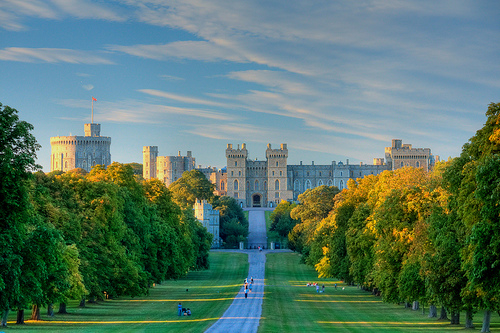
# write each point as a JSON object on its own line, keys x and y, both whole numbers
{"x": 265, "y": 186}
{"x": 239, "y": 173}
{"x": 340, "y": 173}
{"x": 277, "y": 195}
{"x": 277, "y": 185}
{"x": 66, "y": 165}
{"x": 281, "y": 173}
{"x": 276, "y": 163}
{"x": 232, "y": 173}
{"x": 235, "y": 195}
{"x": 320, "y": 182}
{"x": 307, "y": 173}
{"x": 418, "y": 164}
{"x": 330, "y": 174}
{"x": 320, "y": 173}
{"x": 308, "y": 184}
{"x": 330, "y": 182}
{"x": 222, "y": 186}
{"x": 235, "y": 186}
{"x": 235, "y": 163}
{"x": 273, "y": 173}
{"x": 402, "y": 164}
{"x": 341, "y": 186}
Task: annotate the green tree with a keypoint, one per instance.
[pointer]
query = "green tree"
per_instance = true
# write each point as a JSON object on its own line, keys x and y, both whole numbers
{"x": 233, "y": 226}
{"x": 191, "y": 186}
{"x": 473, "y": 183}
{"x": 17, "y": 159}
{"x": 281, "y": 221}
{"x": 314, "y": 205}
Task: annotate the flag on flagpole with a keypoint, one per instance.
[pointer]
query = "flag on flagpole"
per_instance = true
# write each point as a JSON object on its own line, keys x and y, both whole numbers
{"x": 93, "y": 99}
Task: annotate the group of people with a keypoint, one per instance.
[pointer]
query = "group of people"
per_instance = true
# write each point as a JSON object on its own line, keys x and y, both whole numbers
{"x": 315, "y": 284}
{"x": 248, "y": 286}
{"x": 183, "y": 311}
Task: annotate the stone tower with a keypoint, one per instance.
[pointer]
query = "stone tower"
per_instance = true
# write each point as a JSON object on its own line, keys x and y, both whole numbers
{"x": 70, "y": 152}
{"x": 277, "y": 187}
{"x": 149, "y": 156}
{"x": 236, "y": 172}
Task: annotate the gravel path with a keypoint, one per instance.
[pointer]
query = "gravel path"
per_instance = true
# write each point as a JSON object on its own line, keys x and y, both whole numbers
{"x": 243, "y": 315}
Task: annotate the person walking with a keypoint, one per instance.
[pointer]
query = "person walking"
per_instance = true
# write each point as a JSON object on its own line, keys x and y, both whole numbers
{"x": 317, "y": 288}
{"x": 246, "y": 293}
{"x": 179, "y": 309}
{"x": 323, "y": 288}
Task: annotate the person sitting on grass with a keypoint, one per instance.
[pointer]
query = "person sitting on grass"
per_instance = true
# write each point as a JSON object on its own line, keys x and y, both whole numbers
{"x": 188, "y": 312}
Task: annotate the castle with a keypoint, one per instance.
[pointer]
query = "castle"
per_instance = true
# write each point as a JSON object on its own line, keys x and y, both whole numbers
{"x": 70, "y": 152}
{"x": 256, "y": 183}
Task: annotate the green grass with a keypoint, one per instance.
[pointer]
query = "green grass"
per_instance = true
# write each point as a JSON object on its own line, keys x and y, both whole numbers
{"x": 209, "y": 294}
{"x": 290, "y": 306}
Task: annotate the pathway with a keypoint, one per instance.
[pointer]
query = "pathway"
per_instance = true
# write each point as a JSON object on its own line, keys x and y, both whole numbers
{"x": 243, "y": 315}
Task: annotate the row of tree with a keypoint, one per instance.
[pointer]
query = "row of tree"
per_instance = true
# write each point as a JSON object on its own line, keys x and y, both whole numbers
{"x": 413, "y": 236}
{"x": 85, "y": 236}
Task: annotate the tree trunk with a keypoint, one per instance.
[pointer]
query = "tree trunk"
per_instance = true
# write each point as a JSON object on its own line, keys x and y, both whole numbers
{"x": 20, "y": 317}
{"x": 415, "y": 306}
{"x": 407, "y": 305}
{"x": 5, "y": 314}
{"x": 82, "y": 302}
{"x": 62, "y": 308}
{"x": 468, "y": 319}
{"x": 455, "y": 317}
{"x": 50, "y": 310}
{"x": 486, "y": 321}
{"x": 35, "y": 312}
{"x": 433, "y": 312}
{"x": 443, "y": 315}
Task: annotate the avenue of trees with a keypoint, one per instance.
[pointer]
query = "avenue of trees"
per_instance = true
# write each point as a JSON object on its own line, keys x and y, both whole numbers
{"x": 86, "y": 236}
{"x": 415, "y": 237}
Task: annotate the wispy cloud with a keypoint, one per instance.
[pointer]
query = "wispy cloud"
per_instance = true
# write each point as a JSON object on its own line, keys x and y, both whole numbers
{"x": 52, "y": 56}
{"x": 13, "y": 12}
{"x": 88, "y": 87}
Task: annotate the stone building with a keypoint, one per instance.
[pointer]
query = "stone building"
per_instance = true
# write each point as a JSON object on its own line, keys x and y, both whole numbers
{"x": 209, "y": 218}
{"x": 71, "y": 152}
{"x": 255, "y": 183}
{"x": 400, "y": 155}
{"x": 165, "y": 168}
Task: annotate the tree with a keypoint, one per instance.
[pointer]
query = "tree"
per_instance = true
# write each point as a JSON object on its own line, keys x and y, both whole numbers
{"x": 17, "y": 159}
{"x": 281, "y": 221}
{"x": 233, "y": 226}
{"x": 314, "y": 205}
{"x": 191, "y": 186}
{"x": 473, "y": 179}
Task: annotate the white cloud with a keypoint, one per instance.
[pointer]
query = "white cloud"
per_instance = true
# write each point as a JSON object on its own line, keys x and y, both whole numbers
{"x": 51, "y": 55}
{"x": 88, "y": 87}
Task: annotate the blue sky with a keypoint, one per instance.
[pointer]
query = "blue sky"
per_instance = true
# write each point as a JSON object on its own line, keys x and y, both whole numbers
{"x": 335, "y": 80}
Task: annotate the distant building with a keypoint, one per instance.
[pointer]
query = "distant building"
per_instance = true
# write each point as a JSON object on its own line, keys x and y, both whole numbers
{"x": 255, "y": 183}
{"x": 209, "y": 218}
{"x": 70, "y": 152}
{"x": 400, "y": 155}
{"x": 165, "y": 168}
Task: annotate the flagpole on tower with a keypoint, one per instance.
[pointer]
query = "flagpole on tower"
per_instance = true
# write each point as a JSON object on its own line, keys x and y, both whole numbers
{"x": 93, "y": 99}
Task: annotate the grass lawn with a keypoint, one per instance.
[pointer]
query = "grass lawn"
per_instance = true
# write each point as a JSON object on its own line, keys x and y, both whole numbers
{"x": 290, "y": 306}
{"x": 209, "y": 294}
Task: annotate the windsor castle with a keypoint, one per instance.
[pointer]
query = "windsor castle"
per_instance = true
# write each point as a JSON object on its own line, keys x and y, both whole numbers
{"x": 252, "y": 183}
